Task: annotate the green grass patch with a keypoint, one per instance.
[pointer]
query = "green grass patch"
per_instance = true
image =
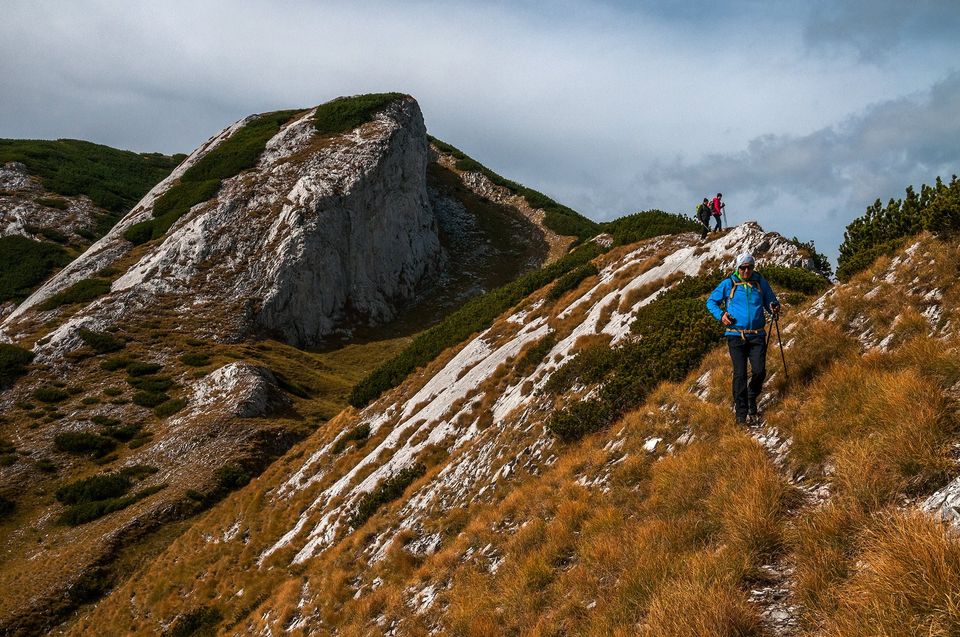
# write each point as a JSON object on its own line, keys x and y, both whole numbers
{"x": 346, "y": 113}
{"x": 195, "y": 359}
{"x": 100, "y": 342}
{"x": 557, "y": 217}
{"x": 149, "y": 399}
{"x": 113, "y": 179}
{"x": 83, "y": 291}
{"x": 648, "y": 224}
{"x": 13, "y": 363}
{"x": 105, "y": 421}
{"x": 151, "y": 383}
{"x": 202, "y": 181}
{"x": 48, "y": 394}
{"x": 358, "y": 434}
{"x": 170, "y": 407}
{"x": 387, "y": 490}
{"x": 114, "y": 363}
{"x": 94, "y": 497}
{"x": 87, "y": 512}
{"x": 25, "y": 264}
{"x": 143, "y": 369}
{"x": 82, "y": 442}
{"x": 475, "y": 315}
{"x": 52, "y": 202}
{"x": 571, "y": 280}
{"x": 124, "y": 433}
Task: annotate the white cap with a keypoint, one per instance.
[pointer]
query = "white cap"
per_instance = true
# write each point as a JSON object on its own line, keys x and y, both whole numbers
{"x": 744, "y": 259}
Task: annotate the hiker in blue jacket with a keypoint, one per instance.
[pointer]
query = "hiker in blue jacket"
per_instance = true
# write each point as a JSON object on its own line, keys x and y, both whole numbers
{"x": 739, "y": 303}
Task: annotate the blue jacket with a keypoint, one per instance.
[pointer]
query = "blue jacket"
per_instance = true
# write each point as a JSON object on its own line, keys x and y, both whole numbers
{"x": 750, "y": 298}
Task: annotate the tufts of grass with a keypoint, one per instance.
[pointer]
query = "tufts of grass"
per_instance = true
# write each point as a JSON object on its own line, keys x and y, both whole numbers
{"x": 170, "y": 407}
{"x": 13, "y": 363}
{"x": 83, "y": 291}
{"x": 25, "y": 264}
{"x": 48, "y": 394}
{"x": 100, "y": 342}
{"x": 83, "y": 443}
{"x": 387, "y": 490}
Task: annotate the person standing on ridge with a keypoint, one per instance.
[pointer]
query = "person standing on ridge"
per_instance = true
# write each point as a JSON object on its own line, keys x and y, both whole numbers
{"x": 739, "y": 303}
{"x": 703, "y": 216}
{"x": 718, "y": 207}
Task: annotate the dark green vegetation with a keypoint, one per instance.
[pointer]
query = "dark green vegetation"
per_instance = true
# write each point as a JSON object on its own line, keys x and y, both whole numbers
{"x": 197, "y": 622}
{"x": 52, "y": 202}
{"x": 358, "y": 434}
{"x": 201, "y": 182}
{"x": 169, "y": 407}
{"x": 346, "y": 113}
{"x": 195, "y": 359}
{"x": 100, "y": 342}
{"x": 25, "y": 263}
{"x": 559, "y": 218}
{"x": 882, "y": 229}
{"x": 232, "y": 476}
{"x": 534, "y": 355}
{"x": 571, "y": 280}
{"x": 476, "y": 314}
{"x": 94, "y": 497}
{"x": 48, "y": 394}
{"x": 143, "y": 369}
{"x": 648, "y": 224}
{"x": 83, "y": 291}
{"x": 387, "y": 490}
{"x": 149, "y": 399}
{"x": 83, "y": 442}
{"x": 113, "y": 179}
{"x": 8, "y": 452}
{"x": 13, "y": 363}
{"x": 675, "y": 332}
{"x": 820, "y": 261}
{"x": 7, "y": 506}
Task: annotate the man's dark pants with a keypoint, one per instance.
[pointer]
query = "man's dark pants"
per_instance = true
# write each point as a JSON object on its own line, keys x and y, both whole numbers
{"x": 717, "y": 219}
{"x": 745, "y": 392}
{"x": 704, "y": 230}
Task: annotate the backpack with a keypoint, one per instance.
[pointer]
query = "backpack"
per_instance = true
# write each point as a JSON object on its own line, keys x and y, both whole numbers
{"x": 703, "y": 213}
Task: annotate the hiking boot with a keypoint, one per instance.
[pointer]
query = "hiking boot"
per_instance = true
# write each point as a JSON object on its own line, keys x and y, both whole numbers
{"x": 752, "y": 410}
{"x": 742, "y": 420}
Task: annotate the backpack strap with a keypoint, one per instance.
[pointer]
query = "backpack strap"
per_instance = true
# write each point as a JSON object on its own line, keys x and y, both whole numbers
{"x": 736, "y": 284}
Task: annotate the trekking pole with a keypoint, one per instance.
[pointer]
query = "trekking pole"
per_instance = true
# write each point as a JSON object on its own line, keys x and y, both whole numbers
{"x": 725, "y": 224}
{"x": 786, "y": 377}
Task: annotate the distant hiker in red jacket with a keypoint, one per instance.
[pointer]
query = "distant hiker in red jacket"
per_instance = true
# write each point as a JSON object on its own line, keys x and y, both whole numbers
{"x": 718, "y": 207}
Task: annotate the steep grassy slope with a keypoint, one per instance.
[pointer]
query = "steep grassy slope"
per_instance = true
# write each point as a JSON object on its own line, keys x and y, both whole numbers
{"x": 485, "y": 534}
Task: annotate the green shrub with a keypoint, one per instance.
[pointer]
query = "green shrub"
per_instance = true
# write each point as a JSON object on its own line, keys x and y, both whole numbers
{"x": 155, "y": 384}
{"x": 46, "y": 465}
{"x": 115, "y": 362}
{"x": 358, "y": 434}
{"x": 195, "y": 359}
{"x": 47, "y": 394}
{"x": 202, "y": 181}
{"x": 535, "y": 354}
{"x": 796, "y": 279}
{"x": 100, "y": 487}
{"x": 475, "y": 315}
{"x": 346, "y": 113}
{"x": 7, "y": 507}
{"x": 143, "y": 369}
{"x": 114, "y": 179}
{"x": 571, "y": 280}
{"x": 25, "y": 264}
{"x": 83, "y": 291}
{"x": 126, "y": 433}
{"x": 387, "y": 490}
{"x": 558, "y": 218}
{"x": 936, "y": 208}
{"x": 232, "y": 476}
{"x": 48, "y": 233}
{"x": 199, "y": 621}
{"x": 81, "y": 442}
{"x": 149, "y": 399}
{"x": 820, "y": 261}
{"x": 578, "y": 420}
{"x": 52, "y": 202}
{"x": 170, "y": 407}
{"x": 100, "y": 342}
{"x": 675, "y": 331}
{"x": 13, "y": 363}
{"x": 105, "y": 421}
{"x": 648, "y": 224}
{"x": 88, "y": 511}
{"x": 112, "y": 391}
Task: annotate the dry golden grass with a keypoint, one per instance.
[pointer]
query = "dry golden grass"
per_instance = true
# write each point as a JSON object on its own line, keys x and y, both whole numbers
{"x": 907, "y": 582}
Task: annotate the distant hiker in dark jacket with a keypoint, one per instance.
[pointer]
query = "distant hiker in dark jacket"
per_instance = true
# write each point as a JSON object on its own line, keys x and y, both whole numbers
{"x": 703, "y": 216}
{"x": 739, "y": 303}
{"x": 718, "y": 207}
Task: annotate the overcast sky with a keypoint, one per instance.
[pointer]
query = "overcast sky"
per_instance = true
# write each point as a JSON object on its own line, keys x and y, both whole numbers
{"x": 802, "y": 113}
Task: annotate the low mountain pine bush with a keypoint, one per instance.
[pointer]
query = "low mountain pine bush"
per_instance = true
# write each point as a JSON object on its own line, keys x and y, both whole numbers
{"x": 13, "y": 363}
{"x": 25, "y": 263}
{"x": 100, "y": 342}
{"x": 346, "y": 113}
{"x": 83, "y": 291}
{"x": 387, "y": 490}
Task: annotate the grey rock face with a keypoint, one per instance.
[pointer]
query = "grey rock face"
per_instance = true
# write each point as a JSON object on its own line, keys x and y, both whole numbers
{"x": 321, "y": 230}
